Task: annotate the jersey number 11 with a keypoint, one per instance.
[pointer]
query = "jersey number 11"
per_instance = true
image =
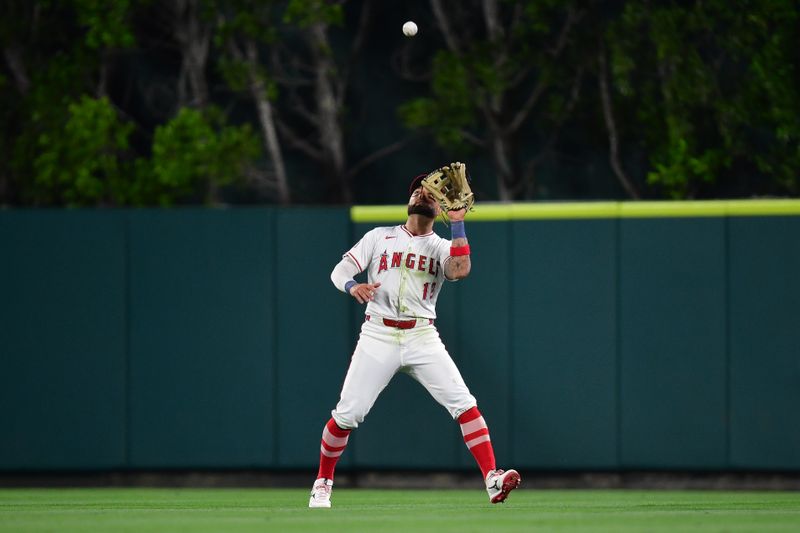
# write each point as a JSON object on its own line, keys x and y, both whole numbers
{"x": 425, "y": 290}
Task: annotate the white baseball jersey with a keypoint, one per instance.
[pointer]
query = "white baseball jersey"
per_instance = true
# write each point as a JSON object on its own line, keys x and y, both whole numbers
{"x": 409, "y": 268}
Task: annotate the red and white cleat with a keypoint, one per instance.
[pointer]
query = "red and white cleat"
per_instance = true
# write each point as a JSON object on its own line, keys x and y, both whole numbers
{"x": 500, "y": 482}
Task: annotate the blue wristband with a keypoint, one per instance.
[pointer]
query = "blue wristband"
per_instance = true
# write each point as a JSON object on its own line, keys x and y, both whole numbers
{"x": 457, "y": 230}
{"x": 349, "y": 285}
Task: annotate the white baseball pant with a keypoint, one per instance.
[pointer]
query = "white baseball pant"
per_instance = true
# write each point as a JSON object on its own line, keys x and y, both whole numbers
{"x": 383, "y": 351}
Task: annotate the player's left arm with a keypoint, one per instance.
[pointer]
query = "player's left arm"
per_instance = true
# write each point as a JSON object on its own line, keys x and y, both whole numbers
{"x": 458, "y": 265}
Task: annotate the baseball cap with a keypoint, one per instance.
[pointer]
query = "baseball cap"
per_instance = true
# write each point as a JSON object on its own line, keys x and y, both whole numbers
{"x": 415, "y": 183}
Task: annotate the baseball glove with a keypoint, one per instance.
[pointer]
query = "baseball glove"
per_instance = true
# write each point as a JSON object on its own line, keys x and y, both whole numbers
{"x": 450, "y": 187}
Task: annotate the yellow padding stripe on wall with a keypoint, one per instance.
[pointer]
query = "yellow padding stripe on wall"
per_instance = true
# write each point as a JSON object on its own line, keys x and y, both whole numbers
{"x": 582, "y": 210}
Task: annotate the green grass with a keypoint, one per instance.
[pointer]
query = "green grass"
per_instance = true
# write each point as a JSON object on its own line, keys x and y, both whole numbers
{"x": 406, "y": 511}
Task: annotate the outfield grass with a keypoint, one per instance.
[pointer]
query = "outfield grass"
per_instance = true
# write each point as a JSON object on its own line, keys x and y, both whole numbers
{"x": 406, "y": 511}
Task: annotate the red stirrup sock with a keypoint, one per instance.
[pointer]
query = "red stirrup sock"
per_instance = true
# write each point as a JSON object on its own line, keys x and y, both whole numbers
{"x": 476, "y": 436}
{"x": 334, "y": 441}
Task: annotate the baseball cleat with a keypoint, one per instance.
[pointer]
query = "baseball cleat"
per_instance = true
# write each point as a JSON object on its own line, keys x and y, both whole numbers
{"x": 500, "y": 482}
{"x": 321, "y": 494}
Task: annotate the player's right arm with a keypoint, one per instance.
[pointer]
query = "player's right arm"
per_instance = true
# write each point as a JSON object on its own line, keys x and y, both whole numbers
{"x": 342, "y": 277}
{"x": 356, "y": 260}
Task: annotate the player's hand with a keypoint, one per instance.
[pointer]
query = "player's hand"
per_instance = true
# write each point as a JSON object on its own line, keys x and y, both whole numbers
{"x": 364, "y": 292}
{"x": 457, "y": 215}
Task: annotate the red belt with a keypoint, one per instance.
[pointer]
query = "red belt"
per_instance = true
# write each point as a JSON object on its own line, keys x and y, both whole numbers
{"x": 400, "y": 324}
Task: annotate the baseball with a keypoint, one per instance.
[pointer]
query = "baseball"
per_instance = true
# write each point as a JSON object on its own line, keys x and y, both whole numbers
{"x": 409, "y": 29}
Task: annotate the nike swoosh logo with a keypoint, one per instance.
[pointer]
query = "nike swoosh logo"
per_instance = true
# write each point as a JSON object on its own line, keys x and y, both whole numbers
{"x": 387, "y": 238}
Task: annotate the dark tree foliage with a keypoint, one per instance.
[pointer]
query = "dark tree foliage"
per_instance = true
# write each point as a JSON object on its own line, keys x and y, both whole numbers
{"x": 137, "y": 102}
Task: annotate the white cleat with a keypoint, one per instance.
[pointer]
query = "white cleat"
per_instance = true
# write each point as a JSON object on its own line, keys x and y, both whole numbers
{"x": 500, "y": 482}
{"x": 321, "y": 494}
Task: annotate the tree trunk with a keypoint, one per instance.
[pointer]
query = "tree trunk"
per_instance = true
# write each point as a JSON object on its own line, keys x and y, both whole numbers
{"x": 502, "y": 164}
{"x": 267, "y": 121}
{"x": 330, "y": 132}
{"x": 193, "y": 37}
{"x": 611, "y": 127}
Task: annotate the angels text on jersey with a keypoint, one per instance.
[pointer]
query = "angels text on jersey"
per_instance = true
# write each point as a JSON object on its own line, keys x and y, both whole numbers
{"x": 409, "y": 268}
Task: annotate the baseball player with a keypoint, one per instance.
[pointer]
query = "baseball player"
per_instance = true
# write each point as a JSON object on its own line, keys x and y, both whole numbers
{"x": 406, "y": 268}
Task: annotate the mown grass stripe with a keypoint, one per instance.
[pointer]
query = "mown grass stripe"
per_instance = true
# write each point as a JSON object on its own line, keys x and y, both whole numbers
{"x": 208, "y": 510}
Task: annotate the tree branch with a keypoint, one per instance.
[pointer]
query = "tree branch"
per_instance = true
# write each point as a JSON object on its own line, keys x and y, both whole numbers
{"x": 355, "y": 51}
{"x": 296, "y": 142}
{"x": 521, "y": 74}
{"x": 496, "y": 32}
{"x": 281, "y": 75}
{"x": 516, "y": 20}
{"x": 522, "y": 115}
{"x": 527, "y": 182}
{"x": 611, "y": 127}
{"x": 474, "y": 139}
{"x": 263, "y": 180}
{"x": 444, "y": 24}
{"x": 376, "y": 155}
{"x": 13, "y": 57}
{"x": 572, "y": 17}
{"x": 493, "y": 26}
{"x": 541, "y": 85}
{"x": 299, "y": 107}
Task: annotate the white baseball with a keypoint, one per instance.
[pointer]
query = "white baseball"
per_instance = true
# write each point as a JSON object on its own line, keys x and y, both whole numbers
{"x": 409, "y": 29}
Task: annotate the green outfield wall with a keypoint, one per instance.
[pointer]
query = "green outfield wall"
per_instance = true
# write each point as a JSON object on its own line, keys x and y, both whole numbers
{"x": 600, "y": 336}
